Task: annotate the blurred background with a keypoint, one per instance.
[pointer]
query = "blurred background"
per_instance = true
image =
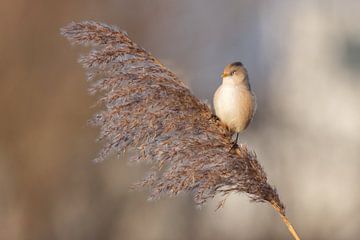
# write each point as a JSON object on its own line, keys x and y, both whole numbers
{"x": 304, "y": 63}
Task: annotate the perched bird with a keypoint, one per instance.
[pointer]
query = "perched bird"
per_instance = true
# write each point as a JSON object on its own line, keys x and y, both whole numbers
{"x": 234, "y": 102}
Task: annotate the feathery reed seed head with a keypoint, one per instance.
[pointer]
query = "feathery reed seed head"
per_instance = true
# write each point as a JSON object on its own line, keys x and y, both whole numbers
{"x": 147, "y": 107}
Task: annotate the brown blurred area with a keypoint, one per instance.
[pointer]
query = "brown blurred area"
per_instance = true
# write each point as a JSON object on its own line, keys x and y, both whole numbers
{"x": 304, "y": 64}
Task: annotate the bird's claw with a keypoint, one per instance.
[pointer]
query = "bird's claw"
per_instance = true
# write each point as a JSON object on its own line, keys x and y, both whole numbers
{"x": 214, "y": 117}
{"x": 234, "y": 146}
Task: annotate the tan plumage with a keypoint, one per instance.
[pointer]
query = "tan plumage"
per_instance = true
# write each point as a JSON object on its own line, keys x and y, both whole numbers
{"x": 234, "y": 101}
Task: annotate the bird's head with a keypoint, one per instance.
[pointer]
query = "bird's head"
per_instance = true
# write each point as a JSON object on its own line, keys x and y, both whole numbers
{"x": 235, "y": 73}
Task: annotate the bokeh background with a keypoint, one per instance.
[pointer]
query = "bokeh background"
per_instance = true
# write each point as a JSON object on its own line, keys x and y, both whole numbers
{"x": 304, "y": 64}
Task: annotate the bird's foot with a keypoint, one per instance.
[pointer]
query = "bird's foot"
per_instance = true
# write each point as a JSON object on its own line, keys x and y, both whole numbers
{"x": 234, "y": 146}
{"x": 235, "y": 143}
{"x": 214, "y": 117}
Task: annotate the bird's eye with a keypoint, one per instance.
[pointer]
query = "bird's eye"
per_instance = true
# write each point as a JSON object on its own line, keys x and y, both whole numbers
{"x": 232, "y": 72}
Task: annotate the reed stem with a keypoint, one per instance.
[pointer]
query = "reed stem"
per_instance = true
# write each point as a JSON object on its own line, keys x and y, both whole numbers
{"x": 285, "y": 220}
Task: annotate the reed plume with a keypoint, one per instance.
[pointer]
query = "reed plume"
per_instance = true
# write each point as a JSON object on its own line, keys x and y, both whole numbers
{"x": 148, "y": 108}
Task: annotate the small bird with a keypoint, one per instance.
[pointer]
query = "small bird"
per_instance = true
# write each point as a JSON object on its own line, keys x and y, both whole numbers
{"x": 234, "y": 102}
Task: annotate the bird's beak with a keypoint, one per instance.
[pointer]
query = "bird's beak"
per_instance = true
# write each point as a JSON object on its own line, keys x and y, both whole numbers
{"x": 224, "y": 75}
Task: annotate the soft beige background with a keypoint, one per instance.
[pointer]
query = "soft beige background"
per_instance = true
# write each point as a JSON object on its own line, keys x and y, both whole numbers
{"x": 304, "y": 64}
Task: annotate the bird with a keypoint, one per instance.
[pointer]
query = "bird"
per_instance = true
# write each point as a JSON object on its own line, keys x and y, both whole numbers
{"x": 234, "y": 102}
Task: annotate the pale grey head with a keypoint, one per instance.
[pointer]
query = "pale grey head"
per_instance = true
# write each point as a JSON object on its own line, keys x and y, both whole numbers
{"x": 236, "y": 73}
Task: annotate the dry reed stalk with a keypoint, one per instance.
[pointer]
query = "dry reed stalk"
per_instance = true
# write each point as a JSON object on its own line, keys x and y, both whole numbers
{"x": 148, "y": 107}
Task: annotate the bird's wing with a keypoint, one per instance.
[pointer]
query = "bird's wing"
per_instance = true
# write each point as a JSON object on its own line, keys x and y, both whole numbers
{"x": 254, "y": 105}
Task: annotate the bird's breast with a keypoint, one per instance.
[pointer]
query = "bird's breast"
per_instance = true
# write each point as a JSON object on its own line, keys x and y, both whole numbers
{"x": 234, "y": 106}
